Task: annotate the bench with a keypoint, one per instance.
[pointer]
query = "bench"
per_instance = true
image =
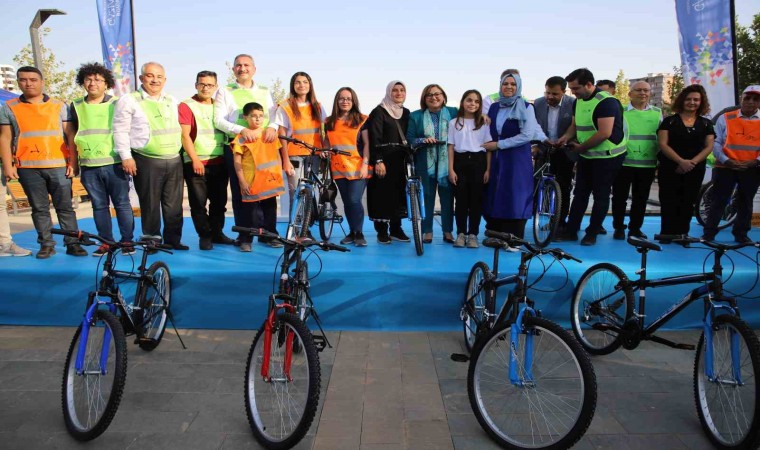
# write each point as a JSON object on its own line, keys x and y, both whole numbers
{"x": 19, "y": 201}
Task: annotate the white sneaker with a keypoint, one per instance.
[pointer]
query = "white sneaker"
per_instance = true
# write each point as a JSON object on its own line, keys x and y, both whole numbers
{"x": 13, "y": 250}
{"x": 245, "y": 247}
{"x": 460, "y": 241}
{"x": 512, "y": 249}
{"x": 472, "y": 241}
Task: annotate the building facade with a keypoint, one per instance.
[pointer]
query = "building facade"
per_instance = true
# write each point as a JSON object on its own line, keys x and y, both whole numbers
{"x": 8, "y": 78}
{"x": 660, "y": 83}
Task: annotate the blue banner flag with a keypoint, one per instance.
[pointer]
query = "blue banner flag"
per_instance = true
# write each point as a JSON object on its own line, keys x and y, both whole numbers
{"x": 117, "y": 40}
{"x": 707, "y": 55}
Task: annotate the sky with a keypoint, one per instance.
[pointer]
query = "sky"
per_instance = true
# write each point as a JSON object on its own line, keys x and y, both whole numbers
{"x": 457, "y": 44}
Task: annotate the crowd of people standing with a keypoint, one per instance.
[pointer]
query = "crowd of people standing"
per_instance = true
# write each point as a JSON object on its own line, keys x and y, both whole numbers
{"x": 476, "y": 159}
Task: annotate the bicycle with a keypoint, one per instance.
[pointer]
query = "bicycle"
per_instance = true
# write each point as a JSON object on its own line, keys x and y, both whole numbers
{"x": 702, "y": 207}
{"x": 414, "y": 192}
{"x": 728, "y": 353}
{"x": 323, "y": 197}
{"x": 282, "y": 374}
{"x": 96, "y": 363}
{"x": 547, "y": 201}
{"x": 530, "y": 384}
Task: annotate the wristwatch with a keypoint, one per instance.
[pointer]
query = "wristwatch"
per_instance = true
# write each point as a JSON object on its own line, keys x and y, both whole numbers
{"x": 379, "y": 161}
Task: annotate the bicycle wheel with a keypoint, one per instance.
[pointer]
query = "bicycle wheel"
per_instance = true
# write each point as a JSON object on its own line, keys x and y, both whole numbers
{"x": 90, "y": 399}
{"x": 300, "y": 216}
{"x": 280, "y": 410}
{"x": 728, "y": 402}
{"x": 303, "y": 308}
{"x": 702, "y": 207}
{"x": 548, "y": 401}
{"x": 326, "y": 220}
{"x": 153, "y": 298}
{"x": 416, "y": 214}
{"x": 478, "y": 305}
{"x": 599, "y": 302}
{"x": 548, "y": 204}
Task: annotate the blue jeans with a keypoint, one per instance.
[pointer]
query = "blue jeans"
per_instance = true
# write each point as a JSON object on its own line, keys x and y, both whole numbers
{"x": 38, "y": 184}
{"x": 351, "y": 192}
{"x": 104, "y": 183}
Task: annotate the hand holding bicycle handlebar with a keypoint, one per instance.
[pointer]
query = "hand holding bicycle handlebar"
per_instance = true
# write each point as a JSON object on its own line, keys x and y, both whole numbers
{"x": 85, "y": 238}
{"x": 313, "y": 149}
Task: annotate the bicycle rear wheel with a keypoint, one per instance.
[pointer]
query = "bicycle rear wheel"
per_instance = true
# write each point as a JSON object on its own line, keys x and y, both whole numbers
{"x": 478, "y": 305}
{"x": 303, "y": 308}
{"x": 280, "y": 410}
{"x": 728, "y": 402}
{"x": 300, "y": 217}
{"x": 326, "y": 220}
{"x": 416, "y": 214}
{"x": 549, "y": 403}
{"x": 90, "y": 399}
{"x": 154, "y": 299}
{"x": 600, "y": 308}
{"x": 548, "y": 204}
{"x": 702, "y": 207}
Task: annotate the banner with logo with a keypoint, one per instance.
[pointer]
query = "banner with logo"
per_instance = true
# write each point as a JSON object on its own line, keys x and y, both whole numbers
{"x": 117, "y": 40}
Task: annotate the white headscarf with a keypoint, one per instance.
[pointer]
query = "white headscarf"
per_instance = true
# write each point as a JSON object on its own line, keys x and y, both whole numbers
{"x": 394, "y": 109}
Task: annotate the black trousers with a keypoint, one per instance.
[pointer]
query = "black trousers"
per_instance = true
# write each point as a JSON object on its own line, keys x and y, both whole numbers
{"x": 594, "y": 176}
{"x": 469, "y": 191}
{"x": 562, "y": 167}
{"x": 159, "y": 187}
{"x": 210, "y": 187}
{"x": 678, "y": 194}
{"x": 241, "y": 210}
{"x": 724, "y": 180}
{"x": 263, "y": 215}
{"x": 638, "y": 181}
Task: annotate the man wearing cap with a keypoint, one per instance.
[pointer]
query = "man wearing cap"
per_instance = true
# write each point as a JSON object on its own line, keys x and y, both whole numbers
{"x": 737, "y": 157}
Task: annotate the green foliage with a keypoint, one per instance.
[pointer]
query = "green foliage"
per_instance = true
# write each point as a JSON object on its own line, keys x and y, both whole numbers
{"x": 675, "y": 87}
{"x": 622, "y": 88}
{"x": 59, "y": 83}
{"x": 748, "y": 49}
{"x": 278, "y": 92}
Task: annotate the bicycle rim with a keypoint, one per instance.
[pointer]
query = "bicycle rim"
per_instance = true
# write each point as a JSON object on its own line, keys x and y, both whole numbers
{"x": 545, "y": 218}
{"x": 326, "y": 221}
{"x": 155, "y": 301}
{"x": 476, "y": 301}
{"x": 416, "y": 221}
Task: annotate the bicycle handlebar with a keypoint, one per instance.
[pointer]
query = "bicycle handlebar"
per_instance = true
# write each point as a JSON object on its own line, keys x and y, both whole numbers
{"x": 291, "y": 243}
{"x": 514, "y": 241}
{"x": 686, "y": 239}
{"x": 85, "y": 238}
{"x": 314, "y": 149}
{"x": 408, "y": 146}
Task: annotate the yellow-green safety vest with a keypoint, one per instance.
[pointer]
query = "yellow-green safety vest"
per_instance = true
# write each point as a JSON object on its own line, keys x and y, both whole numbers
{"x": 209, "y": 142}
{"x": 642, "y": 136}
{"x": 94, "y": 138}
{"x": 165, "y": 132}
{"x": 584, "y": 128}
{"x": 259, "y": 94}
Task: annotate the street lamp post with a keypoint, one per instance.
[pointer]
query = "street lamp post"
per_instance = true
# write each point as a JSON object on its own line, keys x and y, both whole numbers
{"x": 34, "y": 31}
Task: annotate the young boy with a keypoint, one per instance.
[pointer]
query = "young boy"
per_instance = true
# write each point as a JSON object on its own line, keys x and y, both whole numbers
{"x": 258, "y": 166}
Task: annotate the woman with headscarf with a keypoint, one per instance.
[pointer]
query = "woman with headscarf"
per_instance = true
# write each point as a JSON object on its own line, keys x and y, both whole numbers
{"x": 386, "y": 197}
{"x": 509, "y": 198}
{"x": 428, "y": 125}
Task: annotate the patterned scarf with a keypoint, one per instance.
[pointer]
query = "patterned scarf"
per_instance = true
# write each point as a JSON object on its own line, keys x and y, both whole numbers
{"x": 438, "y": 155}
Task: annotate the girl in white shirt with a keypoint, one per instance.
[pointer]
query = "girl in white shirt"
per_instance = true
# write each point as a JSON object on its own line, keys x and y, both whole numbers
{"x": 469, "y": 164}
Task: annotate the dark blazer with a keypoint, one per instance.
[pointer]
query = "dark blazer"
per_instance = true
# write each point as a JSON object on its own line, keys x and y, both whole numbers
{"x": 565, "y": 118}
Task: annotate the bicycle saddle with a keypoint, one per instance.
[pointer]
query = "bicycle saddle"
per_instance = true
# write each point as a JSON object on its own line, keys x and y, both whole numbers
{"x": 643, "y": 243}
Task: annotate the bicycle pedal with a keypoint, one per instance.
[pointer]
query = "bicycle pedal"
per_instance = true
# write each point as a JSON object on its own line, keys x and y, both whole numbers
{"x": 459, "y": 357}
{"x": 320, "y": 342}
{"x": 685, "y": 347}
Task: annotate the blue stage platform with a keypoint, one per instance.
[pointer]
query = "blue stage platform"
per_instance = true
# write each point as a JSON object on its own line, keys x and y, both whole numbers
{"x": 378, "y": 287}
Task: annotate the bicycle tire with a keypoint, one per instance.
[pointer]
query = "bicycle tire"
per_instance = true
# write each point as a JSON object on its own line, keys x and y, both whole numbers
{"x": 91, "y": 418}
{"x": 416, "y": 215}
{"x": 529, "y": 416}
{"x": 302, "y": 300}
{"x": 299, "y": 217}
{"x": 262, "y": 398}
{"x": 477, "y": 299}
{"x": 326, "y": 220}
{"x": 702, "y": 207}
{"x": 588, "y": 306}
{"x": 548, "y": 205}
{"x": 154, "y": 302}
{"x": 720, "y": 405}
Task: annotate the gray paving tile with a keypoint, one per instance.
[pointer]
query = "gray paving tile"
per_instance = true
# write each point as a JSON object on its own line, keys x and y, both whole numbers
{"x": 382, "y": 430}
{"x": 463, "y": 424}
{"x": 428, "y": 434}
{"x": 187, "y": 440}
{"x": 474, "y": 442}
{"x": 636, "y": 442}
{"x": 658, "y": 421}
{"x": 110, "y": 440}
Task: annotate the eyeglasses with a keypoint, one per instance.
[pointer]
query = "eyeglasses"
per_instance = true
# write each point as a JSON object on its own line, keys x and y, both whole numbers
{"x": 434, "y": 94}
{"x": 95, "y": 81}
{"x": 204, "y": 86}
{"x": 345, "y": 99}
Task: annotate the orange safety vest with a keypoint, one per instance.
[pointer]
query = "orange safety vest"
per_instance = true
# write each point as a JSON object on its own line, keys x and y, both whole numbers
{"x": 306, "y": 129}
{"x": 344, "y": 138}
{"x": 40, "y": 141}
{"x": 742, "y": 138}
{"x": 267, "y": 178}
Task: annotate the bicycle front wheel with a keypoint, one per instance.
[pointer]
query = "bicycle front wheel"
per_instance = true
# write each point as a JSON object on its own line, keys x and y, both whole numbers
{"x": 600, "y": 308}
{"x": 705, "y": 200}
{"x": 281, "y": 408}
{"x": 326, "y": 220}
{"x": 153, "y": 299}
{"x": 416, "y": 214}
{"x": 90, "y": 398}
{"x": 546, "y": 213}
{"x": 548, "y": 398}
{"x": 478, "y": 307}
{"x": 300, "y": 217}
{"x": 728, "y": 401}
{"x": 303, "y": 308}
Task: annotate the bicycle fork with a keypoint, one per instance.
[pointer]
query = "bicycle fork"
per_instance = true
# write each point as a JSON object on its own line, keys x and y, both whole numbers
{"x": 521, "y": 376}
{"x": 420, "y": 197}
{"x": 85, "y": 335}
{"x": 709, "y": 357}
{"x": 269, "y": 328}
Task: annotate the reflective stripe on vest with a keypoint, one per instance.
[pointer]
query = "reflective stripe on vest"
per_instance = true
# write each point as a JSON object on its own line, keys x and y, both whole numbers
{"x": 306, "y": 128}
{"x": 742, "y": 137}
{"x": 584, "y": 127}
{"x": 165, "y": 133}
{"x": 40, "y": 142}
{"x": 94, "y": 138}
{"x": 642, "y": 139}
{"x": 258, "y": 94}
{"x": 267, "y": 179}
{"x": 343, "y": 137}
{"x": 209, "y": 142}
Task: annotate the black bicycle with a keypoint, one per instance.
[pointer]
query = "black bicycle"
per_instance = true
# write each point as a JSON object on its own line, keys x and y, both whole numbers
{"x": 547, "y": 200}
{"x": 704, "y": 202}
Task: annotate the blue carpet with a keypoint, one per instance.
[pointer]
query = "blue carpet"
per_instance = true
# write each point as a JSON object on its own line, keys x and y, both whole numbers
{"x": 379, "y": 287}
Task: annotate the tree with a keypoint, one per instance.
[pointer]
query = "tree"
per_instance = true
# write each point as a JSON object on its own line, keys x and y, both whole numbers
{"x": 748, "y": 53}
{"x": 230, "y": 73}
{"x": 59, "y": 83}
{"x": 621, "y": 88}
{"x": 676, "y": 86}
{"x": 278, "y": 92}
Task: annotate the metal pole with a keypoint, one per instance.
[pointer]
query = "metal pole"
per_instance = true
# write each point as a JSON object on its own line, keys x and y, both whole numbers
{"x": 134, "y": 45}
{"x": 34, "y": 32}
{"x": 736, "y": 53}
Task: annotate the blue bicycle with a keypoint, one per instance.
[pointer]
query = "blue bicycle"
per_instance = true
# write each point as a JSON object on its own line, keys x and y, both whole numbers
{"x": 547, "y": 201}
{"x": 96, "y": 363}
{"x": 728, "y": 353}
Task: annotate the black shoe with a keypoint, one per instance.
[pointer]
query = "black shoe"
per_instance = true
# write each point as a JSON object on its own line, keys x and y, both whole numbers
{"x": 45, "y": 252}
{"x": 707, "y": 237}
{"x": 221, "y": 238}
{"x": 448, "y": 239}
{"x": 602, "y": 230}
{"x": 588, "y": 239}
{"x": 619, "y": 234}
{"x": 567, "y": 236}
{"x": 206, "y": 243}
{"x": 359, "y": 240}
{"x": 637, "y": 234}
{"x": 349, "y": 239}
{"x": 177, "y": 246}
{"x": 383, "y": 238}
{"x": 743, "y": 239}
{"x": 74, "y": 250}
{"x": 237, "y": 242}
{"x": 399, "y": 235}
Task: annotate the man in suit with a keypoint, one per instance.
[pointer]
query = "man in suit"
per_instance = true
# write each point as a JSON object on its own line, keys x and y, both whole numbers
{"x": 554, "y": 112}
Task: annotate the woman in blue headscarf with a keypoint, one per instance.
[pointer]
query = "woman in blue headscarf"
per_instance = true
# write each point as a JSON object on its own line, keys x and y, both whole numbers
{"x": 509, "y": 197}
